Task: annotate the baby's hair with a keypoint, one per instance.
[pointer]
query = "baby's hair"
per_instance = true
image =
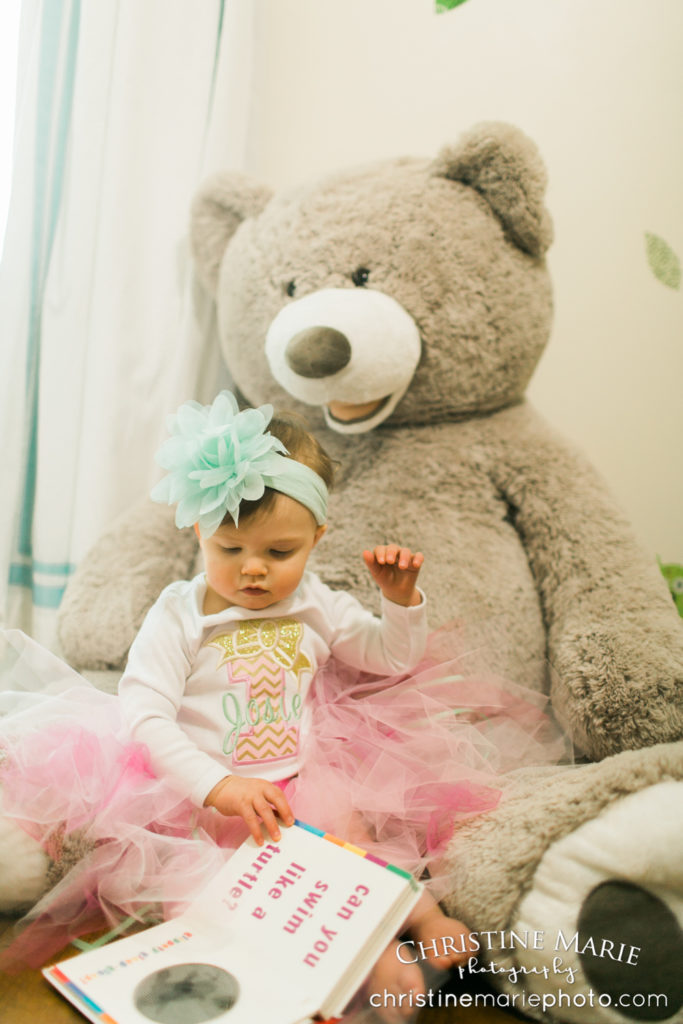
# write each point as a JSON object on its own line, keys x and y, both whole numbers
{"x": 301, "y": 446}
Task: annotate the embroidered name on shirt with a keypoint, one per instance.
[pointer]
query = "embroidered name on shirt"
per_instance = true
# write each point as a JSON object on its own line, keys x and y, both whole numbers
{"x": 265, "y": 655}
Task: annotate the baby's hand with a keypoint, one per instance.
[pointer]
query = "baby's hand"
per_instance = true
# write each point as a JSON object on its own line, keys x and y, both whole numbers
{"x": 395, "y": 571}
{"x": 254, "y": 800}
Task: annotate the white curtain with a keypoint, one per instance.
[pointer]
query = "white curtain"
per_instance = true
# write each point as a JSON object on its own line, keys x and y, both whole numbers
{"x": 124, "y": 106}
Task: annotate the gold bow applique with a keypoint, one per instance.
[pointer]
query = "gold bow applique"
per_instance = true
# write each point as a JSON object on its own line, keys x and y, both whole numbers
{"x": 281, "y": 638}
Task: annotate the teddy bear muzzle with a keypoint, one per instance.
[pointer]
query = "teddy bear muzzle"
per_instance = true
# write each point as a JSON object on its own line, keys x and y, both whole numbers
{"x": 352, "y": 352}
{"x": 319, "y": 352}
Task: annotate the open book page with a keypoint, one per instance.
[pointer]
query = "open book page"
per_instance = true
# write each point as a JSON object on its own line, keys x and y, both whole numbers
{"x": 282, "y": 932}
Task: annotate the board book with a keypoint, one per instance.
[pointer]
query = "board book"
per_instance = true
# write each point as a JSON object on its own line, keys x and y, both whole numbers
{"x": 284, "y": 932}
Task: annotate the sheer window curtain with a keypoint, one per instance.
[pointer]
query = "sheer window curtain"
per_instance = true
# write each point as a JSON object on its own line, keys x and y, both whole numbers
{"x": 123, "y": 108}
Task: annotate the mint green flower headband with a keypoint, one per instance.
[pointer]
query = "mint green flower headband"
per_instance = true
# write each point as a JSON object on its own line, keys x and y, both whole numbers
{"x": 218, "y": 457}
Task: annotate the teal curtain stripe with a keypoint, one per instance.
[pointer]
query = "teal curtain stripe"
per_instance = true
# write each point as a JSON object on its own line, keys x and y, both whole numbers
{"x": 43, "y": 596}
{"x": 54, "y": 568}
{"x": 63, "y": 125}
{"x": 47, "y": 75}
{"x": 49, "y": 568}
{"x": 47, "y": 199}
{"x": 216, "y": 58}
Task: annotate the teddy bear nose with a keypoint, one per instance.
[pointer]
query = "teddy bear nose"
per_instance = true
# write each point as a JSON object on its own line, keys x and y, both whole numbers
{"x": 318, "y": 352}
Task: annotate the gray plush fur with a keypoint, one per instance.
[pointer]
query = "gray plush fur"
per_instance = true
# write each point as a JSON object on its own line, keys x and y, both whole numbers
{"x": 483, "y": 305}
{"x": 100, "y": 616}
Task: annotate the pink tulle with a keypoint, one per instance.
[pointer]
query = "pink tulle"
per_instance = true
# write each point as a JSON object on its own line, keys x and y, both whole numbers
{"x": 89, "y": 795}
{"x": 396, "y": 763}
{"x": 390, "y": 764}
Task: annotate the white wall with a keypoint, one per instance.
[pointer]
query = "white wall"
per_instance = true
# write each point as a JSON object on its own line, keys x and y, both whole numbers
{"x": 599, "y": 85}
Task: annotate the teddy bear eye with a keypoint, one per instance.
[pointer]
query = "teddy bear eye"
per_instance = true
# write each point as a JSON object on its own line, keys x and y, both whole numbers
{"x": 360, "y": 276}
{"x": 290, "y": 288}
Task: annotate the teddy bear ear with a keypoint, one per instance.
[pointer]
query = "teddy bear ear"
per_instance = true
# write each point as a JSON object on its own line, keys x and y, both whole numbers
{"x": 218, "y": 209}
{"x": 504, "y": 166}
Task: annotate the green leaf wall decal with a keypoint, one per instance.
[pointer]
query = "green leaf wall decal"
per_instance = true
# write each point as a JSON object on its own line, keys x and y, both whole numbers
{"x": 663, "y": 261}
{"x": 447, "y": 5}
{"x": 673, "y": 574}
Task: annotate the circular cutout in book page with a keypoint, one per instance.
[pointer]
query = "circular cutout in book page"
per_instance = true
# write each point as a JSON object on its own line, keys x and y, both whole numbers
{"x": 186, "y": 994}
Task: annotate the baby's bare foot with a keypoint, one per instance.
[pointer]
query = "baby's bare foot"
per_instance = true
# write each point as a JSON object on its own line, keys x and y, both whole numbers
{"x": 443, "y": 939}
{"x": 391, "y": 983}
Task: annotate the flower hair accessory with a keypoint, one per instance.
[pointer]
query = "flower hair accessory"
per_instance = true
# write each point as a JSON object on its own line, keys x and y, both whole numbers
{"x": 218, "y": 457}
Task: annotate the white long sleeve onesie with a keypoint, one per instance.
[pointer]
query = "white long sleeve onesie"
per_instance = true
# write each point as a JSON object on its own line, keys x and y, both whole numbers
{"x": 212, "y": 695}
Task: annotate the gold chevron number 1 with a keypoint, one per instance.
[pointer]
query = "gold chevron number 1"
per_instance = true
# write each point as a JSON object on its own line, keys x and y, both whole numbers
{"x": 262, "y": 653}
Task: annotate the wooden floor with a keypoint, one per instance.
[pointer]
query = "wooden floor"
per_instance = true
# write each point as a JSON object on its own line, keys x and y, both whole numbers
{"x": 26, "y": 998}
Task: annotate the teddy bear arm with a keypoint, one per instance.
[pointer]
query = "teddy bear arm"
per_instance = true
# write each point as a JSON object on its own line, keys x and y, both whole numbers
{"x": 615, "y": 643}
{"x": 117, "y": 582}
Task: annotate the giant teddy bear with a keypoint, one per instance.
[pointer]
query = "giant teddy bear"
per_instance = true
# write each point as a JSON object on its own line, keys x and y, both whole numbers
{"x": 403, "y": 307}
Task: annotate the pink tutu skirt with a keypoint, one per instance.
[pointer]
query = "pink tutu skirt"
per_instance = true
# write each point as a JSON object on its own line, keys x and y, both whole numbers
{"x": 391, "y": 764}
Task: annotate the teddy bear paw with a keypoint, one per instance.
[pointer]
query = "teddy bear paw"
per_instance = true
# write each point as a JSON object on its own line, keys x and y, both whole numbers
{"x": 598, "y": 936}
